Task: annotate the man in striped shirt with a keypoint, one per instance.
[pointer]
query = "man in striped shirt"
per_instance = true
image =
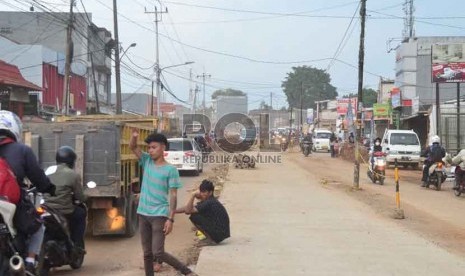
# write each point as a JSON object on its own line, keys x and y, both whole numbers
{"x": 156, "y": 213}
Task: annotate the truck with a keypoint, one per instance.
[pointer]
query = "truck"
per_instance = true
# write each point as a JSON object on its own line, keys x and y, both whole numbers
{"x": 102, "y": 146}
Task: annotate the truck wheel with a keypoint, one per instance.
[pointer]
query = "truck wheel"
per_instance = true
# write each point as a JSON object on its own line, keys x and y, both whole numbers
{"x": 132, "y": 220}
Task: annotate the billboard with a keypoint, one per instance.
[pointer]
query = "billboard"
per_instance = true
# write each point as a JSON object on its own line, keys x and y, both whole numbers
{"x": 343, "y": 105}
{"x": 448, "y": 62}
{"x": 395, "y": 97}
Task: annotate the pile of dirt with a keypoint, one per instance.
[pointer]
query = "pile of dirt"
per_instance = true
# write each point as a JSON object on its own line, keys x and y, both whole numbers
{"x": 347, "y": 152}
{"x": 217, "y": 176}
{"x": 244, "y": 161}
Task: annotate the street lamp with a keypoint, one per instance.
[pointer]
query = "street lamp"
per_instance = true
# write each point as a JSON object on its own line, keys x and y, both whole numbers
{"x": 130, "y": 46}
{"x": 158, "y": 72}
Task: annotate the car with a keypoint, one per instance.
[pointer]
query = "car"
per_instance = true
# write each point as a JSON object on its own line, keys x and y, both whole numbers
{"x": 184, "y": 154}
{"x": 403, "y": 146}
{"x": 321, "y": 139}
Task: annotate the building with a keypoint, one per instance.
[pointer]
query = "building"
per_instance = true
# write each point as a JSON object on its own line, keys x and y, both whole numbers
{"x": 92, "y": 46}
{"x": 417, "y": 98}
{"x": 45, "y": 68}
{"x": 14, "y": 90}
{"x": 384, "y": 90}
{"x": 224, "y": 105}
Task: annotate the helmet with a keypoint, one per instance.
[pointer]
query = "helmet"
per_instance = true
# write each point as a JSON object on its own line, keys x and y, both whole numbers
{"x": 10, "y": 125}
{"x": 435, "y": 139}
{"x": 66, "y": 155}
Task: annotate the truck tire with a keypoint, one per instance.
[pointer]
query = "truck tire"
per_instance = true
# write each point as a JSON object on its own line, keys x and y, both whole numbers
{"x": 132, "y": 220}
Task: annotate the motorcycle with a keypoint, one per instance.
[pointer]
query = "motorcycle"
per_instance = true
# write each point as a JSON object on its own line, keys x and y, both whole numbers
{"x": 379, "y": 168}
{"x": 306, "y": 147}
{"x": 436, "y": 175}
{"x": 12, "y": 243}
{"x": 459, "y": 188}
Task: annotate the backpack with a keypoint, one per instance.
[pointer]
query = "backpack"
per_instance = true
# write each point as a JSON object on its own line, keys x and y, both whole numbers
{"x": 437, "y": 153}
{"x": 9, "y": 186}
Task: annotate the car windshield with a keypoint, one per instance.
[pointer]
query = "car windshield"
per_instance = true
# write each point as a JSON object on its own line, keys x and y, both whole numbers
{"x": 183, "y": 145}
{"x": 323, "y": 135}
{"x": 194, "y": 129}
{"x": 404, "y": 139}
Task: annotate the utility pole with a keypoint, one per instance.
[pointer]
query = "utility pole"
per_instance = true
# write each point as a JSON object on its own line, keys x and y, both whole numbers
{"x": 151, "y": 102}
{"x": 203, "y": 76}
{"x": 361, "y": 58}
{"x": 196, "y": 90}
{"x": 69, "y": 46}
{"x": 301, "y": 106}
{"x": 157, "y": 54}
{"x": 119, "y": 107}
{"x": 271, "y": 100}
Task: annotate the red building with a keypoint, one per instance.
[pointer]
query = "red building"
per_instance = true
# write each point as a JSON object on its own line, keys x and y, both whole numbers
{"x": 53, "y": 86}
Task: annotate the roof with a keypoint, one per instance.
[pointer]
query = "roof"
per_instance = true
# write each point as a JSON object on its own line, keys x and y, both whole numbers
{"x": 10, "y": 76}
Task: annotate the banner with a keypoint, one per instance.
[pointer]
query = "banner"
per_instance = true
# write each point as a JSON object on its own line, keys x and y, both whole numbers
{"x": 381, "y": 111}
{"x": 310, "y": 116}
{"x": 395, "y": 97}
{"x": 343, "y": 104}
{"x": 448, "y": 62}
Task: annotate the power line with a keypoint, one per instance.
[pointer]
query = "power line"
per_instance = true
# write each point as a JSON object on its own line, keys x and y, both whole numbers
{"x": 339, "y": 47}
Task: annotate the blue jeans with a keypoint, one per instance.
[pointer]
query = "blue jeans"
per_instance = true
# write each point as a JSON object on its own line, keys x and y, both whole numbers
{"x": 35, "y": 241}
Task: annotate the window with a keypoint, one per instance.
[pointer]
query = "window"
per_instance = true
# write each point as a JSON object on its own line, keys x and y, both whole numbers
{"x": 323, "y": 135}
{"x": 404, "y": 139}
{"x": 181, "y": 145}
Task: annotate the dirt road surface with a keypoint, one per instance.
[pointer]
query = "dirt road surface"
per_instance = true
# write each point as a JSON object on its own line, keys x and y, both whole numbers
{"x": 435, "y": 215}
{"x": 119, "y": 256}
{"x": 300, "y": 217}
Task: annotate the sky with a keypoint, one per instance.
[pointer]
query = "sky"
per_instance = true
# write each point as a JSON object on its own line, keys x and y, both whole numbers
{"x": 252, "y": 45}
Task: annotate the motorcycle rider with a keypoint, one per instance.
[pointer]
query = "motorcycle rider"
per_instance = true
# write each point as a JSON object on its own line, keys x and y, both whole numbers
{"x": 307, "y": 138}
{"x": 68, "y": 191}
{"x": 458, "y": 160}
{"x": 433, "y": 154}
{"x": 23, "y": 163}
{"x": 376, "y": 148}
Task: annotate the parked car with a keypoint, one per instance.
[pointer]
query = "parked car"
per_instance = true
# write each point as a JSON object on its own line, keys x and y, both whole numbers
{"x": 184, "y": 154}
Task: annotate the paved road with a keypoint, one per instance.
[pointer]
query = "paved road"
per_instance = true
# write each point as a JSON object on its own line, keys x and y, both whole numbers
{"x": 123, "y": 256}
{"x": 285, "y": 222}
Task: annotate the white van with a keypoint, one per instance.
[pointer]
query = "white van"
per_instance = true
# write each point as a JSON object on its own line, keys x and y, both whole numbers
{"x": 321, "y": 139}
{"x": 402, "y": 145}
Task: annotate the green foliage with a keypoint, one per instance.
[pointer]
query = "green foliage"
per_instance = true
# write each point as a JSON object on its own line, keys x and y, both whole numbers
{"x": 227, "y": 92}
{"x": 312, "y": 83}
{"x": 369, "y": 96}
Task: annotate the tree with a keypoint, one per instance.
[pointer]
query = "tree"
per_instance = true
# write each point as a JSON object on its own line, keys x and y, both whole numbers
{"x": 312, "y": 83}
{"x": 227, "y": 92}
{"x": 369, "y": 97}
{"x": 264, "y": 106}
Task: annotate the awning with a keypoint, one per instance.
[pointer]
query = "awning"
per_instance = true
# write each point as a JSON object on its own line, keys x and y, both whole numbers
{"x": 10, "y": 76}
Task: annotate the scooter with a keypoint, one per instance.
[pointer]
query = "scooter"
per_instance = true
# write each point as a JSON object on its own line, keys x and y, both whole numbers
{"x": 379, "y": 168}
{"x": 436, "y": 175}
{"x": 12, "y": 243}
{"x": 459, "y": 188}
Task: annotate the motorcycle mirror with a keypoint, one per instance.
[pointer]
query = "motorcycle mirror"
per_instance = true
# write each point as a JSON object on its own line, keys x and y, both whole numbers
{"x": 91, "y": 184}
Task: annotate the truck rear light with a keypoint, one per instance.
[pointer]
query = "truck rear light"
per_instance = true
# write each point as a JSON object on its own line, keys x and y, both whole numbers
{"x": 189, "y": 153}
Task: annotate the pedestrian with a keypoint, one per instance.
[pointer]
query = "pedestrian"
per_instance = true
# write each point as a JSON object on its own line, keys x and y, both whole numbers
{"x": 209, "y": 216}
{"x": 156, "y": 212}
{"x": 332, "y": 140}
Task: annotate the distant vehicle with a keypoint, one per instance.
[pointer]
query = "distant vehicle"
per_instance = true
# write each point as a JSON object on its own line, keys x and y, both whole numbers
{"x": 193, "y": 130}
{"x": 321, "y": 139}
{"x": 402, "y": 145}
{"x": 185, "y": 154}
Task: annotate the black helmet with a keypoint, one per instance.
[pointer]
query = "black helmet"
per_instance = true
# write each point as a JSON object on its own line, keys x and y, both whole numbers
{"x": 66, "y": 155}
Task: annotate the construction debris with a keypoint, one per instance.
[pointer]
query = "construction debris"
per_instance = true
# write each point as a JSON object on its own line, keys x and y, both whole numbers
{"x": 244, "y": 161}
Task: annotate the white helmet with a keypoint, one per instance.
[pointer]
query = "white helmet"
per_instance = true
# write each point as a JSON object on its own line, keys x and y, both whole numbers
{"x": 10, "y": 124}
{"x": 435, "y": 139}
